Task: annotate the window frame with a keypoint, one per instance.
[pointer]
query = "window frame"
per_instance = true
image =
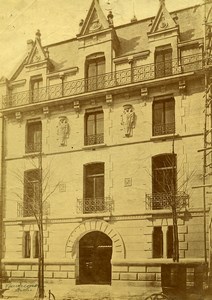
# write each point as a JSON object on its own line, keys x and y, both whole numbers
{"x": 96, "y": 203}
{"x": 161, "y": 188}
{"x": 31, "y": 147}
{"x": 26, "y": 244}
{"x": 164, "y": 127}
{"x": 35, "y": 184}
{"x": 35, "y": 92}
{"x": 157, "y": 242}
{"x": 165, "y": 65}
{"x": 96, "y": 81}
{"x": 96, "y": 138}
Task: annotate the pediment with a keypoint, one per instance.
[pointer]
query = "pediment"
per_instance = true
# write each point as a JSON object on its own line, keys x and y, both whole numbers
{"x": 95, "y": 20}
{"x": 163, "y": 20}
{"x": 37, "y": 53}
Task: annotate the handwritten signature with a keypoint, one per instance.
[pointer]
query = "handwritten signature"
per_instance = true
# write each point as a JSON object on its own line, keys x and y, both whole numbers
{"x": 20, "y": 287}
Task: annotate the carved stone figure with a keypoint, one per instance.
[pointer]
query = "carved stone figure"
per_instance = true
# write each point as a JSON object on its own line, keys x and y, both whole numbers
{"x": 128, "y": 120}
{"x": 63, "y": 130}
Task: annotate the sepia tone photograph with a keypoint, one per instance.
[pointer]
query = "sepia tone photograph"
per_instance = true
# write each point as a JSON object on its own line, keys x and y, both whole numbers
{"x": 106, "y": 149}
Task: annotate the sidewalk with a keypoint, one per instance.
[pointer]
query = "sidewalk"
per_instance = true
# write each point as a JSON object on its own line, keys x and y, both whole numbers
{"x": 95, "y": 292}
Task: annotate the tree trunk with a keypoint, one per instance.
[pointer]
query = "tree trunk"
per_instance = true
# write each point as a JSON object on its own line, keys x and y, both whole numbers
{"x": 175, "y": 234}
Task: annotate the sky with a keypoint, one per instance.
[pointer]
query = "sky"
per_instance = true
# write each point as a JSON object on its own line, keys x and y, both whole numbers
{"x": 58, "y": 20}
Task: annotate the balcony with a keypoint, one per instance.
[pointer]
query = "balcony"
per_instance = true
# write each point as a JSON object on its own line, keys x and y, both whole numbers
{"x": 166, "y": 200}
{"x": 94, "y": 205}
{"x": 33, "y": 147}
{"x": 162, "y": 129}
{"x": 94, "y": 139}
{"x": 104, "y": 81}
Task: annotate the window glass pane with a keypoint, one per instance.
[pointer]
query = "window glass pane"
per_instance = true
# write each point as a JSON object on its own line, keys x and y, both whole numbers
{"x": 158, "y": 113}
{"x": 99, "y": 123}
{"x": 163, "y": 176}
{"x": 170, "y": 242}
{"x": 27, "y": 244}
{"x": 169, "y": 112}
{"x": 99, "y": 187}
{"x": 101, "y": 67}
{"x": 89, "y": 188}
{"x": 92, "y": 69}
{"x": 90, "y": 124}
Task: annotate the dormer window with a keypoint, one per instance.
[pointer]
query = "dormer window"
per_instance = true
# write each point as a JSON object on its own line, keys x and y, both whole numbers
{"x": 95, "y": 70}
{"x": 163, "y": 61}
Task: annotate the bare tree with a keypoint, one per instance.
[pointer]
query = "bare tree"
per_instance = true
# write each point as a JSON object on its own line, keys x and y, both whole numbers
{"x": 170, "y": 190}
{"x": 37, "y": 192}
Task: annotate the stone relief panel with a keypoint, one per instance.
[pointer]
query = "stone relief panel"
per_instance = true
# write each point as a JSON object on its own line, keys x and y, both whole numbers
{"x": 63, "y": 130}
{"x": 128, "y": 120}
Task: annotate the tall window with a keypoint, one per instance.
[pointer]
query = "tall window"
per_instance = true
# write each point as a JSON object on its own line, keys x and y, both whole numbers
{"x": 32, "y": 185}
{"x": 36, "y": 244}
{"x": 163, "y": 63}
{"x": 157, "y": 240}
{"x": 94, "y": 127}
{"x": 170, "y": 242}
{"x": 33, "y": 136}
{"x": 36, "y": 91}
{"x": 163, "y": 117}
{"x": 95, "y": 70}
{"x": 94, "y": 188}
{"x": 26, "y": 244}
{"x": 164, "y": 179}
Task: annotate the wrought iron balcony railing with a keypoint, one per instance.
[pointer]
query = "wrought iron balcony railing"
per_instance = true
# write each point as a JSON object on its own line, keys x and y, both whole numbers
{"x": 33, "y": 147}
{"x": 94, "y": 205}
{"x": 105, "y": 81}
{"x": 166, "y": 200}
{"x": 94, "y": 139}
{"x": 161, "y": 129}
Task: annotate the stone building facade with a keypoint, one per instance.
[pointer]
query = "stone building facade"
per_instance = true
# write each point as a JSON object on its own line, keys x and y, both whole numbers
{"x": 115, "y": 117}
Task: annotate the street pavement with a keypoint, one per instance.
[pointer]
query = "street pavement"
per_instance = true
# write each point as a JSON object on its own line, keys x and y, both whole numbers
{"x": 95, "y": 292}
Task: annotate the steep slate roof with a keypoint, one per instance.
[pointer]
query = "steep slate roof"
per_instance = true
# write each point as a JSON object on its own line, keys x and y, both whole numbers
{"x": 132, "y": 36}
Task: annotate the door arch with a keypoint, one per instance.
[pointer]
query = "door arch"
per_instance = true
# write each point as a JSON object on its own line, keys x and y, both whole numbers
{"x": 95, "y": 252}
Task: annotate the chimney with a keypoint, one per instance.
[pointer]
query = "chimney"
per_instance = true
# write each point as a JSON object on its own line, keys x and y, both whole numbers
{"x": 30, "y": 44}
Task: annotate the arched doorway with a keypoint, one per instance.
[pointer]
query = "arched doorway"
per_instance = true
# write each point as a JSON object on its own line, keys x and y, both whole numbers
{"x": 95, "y": 251}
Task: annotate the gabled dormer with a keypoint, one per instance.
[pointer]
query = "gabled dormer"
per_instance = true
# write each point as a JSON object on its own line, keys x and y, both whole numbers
{"x": 163, "y": 23}
{"x": 37, "y": 55}
{"x": 95, "y": 20}
{"x": 97, "y": 29}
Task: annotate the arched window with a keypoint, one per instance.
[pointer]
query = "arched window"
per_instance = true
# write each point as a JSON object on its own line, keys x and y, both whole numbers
{"x": 157, "y": 241}
{"x": 36, "y": 244}
{"x": 170, "y": 242}
{"x": 26, "y": 244}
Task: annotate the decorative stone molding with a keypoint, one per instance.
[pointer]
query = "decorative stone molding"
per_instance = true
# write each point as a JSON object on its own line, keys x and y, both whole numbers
{"x": 144, "y": 93}
{"x": 128, "y": 120}
{"x": 77, "y": 107}
{"x": 109, "y": 100}
{"x": 95, "y": 225}
{"x": 182, "y": 86}
{"x": 46, "y": 110}
{"x": 18, "y": 116}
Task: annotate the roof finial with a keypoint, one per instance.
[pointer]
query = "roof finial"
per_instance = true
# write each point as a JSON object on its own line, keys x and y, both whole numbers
{"x": 38, "y": 35}
{"x": 134, "y": 18}
{"x": 162, "y": 2}
{"x": 110, "y": 18}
